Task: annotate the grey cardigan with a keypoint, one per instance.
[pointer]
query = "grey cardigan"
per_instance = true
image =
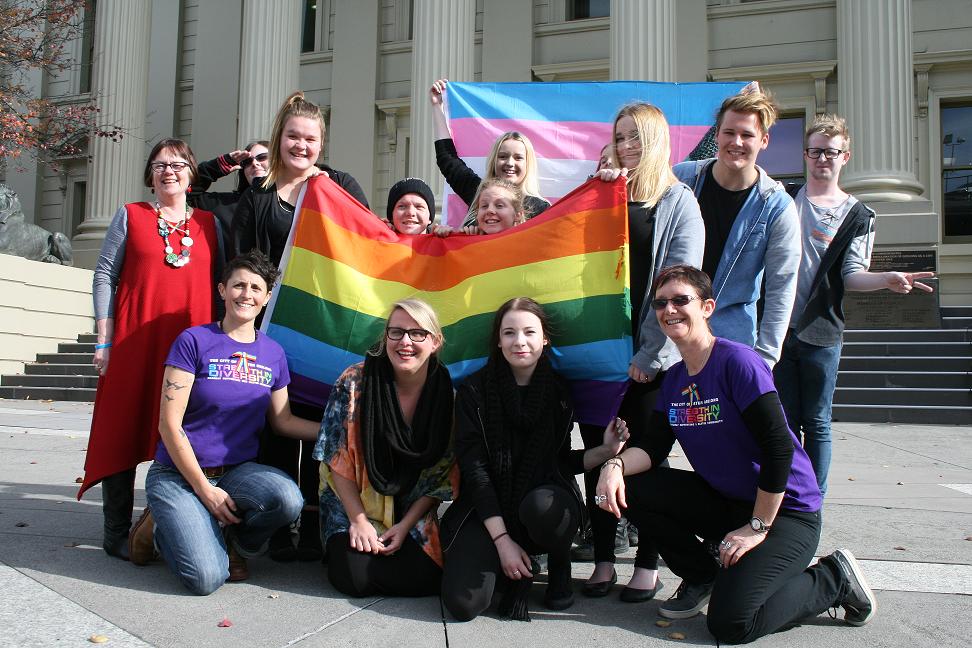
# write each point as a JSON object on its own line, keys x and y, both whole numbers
{"x": 679, "y": 237}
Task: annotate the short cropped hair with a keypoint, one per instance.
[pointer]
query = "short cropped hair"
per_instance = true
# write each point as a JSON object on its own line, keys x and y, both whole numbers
{"x": 760, "y": 103}
{"x": 687, "y": 274}
{"x": 256, "y": 262}
{"x": 177, "y": 147}
{"x": 830, "y": 125}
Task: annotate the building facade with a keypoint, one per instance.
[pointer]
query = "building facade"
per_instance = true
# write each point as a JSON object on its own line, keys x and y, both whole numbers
{"x": 213, "y": 72}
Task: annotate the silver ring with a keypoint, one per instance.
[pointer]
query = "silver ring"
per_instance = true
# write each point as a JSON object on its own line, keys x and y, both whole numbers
{"x": 728, "y": 544}
{"x": 516, "y": 573}
{"x": 600, "y": 499}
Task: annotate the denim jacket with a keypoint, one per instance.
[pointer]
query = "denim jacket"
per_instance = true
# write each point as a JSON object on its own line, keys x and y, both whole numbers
{"x": 764, "y": 239}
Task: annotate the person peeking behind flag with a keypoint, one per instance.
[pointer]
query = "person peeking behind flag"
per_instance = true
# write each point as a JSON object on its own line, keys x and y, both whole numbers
{"x": 512, "y": 158}
{"x": 385, "y": 447}
{"x": 499, "y": 206}
{"x": 518, "y": 495}
{"x": 210, "y": 504}
{"x": 411, "y": 206}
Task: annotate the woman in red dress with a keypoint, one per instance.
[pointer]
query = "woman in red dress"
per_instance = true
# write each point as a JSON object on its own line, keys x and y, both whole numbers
{"x": 154, "y": 279}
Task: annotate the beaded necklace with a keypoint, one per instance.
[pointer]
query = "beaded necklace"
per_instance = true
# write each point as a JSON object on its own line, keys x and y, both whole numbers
{"x": 166, "y": 228}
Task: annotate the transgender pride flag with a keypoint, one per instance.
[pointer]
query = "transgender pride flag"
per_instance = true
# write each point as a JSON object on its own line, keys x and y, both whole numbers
{"x": 568, "y": 124}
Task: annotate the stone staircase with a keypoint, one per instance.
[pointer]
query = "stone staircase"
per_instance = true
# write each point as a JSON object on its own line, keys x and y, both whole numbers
{"x": 67, "y": 375}
{"x": 908, "y": 376}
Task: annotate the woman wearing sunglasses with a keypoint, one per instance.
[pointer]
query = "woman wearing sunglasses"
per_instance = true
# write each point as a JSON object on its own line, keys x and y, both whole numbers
{"x": 664, "y": 228}
{"x": 386, "y": 461}
{"x": 250, "y": 163}
{"x": 752, "y": 500}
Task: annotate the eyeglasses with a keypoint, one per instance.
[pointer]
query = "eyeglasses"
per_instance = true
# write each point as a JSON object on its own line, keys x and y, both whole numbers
{"x": 260, "y": 157}
{"x": 828, "y": 153}
{"x": 415, "y": 335}
{"x": 177, "y": 167}
{"x": 678, "y": 300}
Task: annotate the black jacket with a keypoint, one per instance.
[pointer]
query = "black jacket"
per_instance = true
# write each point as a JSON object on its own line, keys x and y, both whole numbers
{"x": 822, "y": 320}
{"x": 476, "y": 491}
{"x": 221, "y": 203}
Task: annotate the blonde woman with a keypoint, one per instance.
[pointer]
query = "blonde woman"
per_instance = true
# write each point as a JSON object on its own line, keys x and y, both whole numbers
{"x": 512, "y": 158}
{"x": 664, "y": 229}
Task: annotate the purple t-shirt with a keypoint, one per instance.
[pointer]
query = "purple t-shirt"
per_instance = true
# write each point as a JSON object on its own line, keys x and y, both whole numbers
{"x": 231, "y": 393}
{"x": 705, "y": 413}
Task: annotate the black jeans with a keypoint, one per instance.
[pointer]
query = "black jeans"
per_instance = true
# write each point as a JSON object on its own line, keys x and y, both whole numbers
{"x": 407, "y": 572}
{"x": 635, "y": 409}
{"x": 770, "y": 587}
{"x": 472, "y": 567}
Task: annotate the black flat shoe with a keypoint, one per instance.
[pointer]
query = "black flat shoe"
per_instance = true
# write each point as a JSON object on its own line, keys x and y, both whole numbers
{"x": 600, "y": 588}
{"x": 635, "y": 595}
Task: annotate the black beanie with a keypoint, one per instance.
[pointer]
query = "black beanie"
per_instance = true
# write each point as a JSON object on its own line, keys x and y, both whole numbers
{"x": 407, "y": 186}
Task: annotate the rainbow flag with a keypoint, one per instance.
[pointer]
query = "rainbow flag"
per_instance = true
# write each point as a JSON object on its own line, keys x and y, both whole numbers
{"x": 344, "y": 267}
{"x": 568, "y": 123}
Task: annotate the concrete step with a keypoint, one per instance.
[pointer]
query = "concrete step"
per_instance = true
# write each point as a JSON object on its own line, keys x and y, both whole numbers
{"x": 90, "y": 382}
{"x": 81, "y": 394}
{"x": 65, "y": 358}
{"x": 908, "y": 335}
{"x": 925, "y": 379}
{"x": 910, "y": 396}
{"x": 60, "y": 369}
{"x": 902, "y": 414}
{"x": 89, "y": 338}
{"x": 904, "y": 363}
{"x": 956, "y": 311}
{"x": 76, "y": 347}
{"x": 926, "y": 349}
{"x": 957, "y": 322}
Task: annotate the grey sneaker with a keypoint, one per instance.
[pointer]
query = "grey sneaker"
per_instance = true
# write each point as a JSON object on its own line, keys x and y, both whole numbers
{"x": 858, "y": 600}
{"x": 687, "y": 601}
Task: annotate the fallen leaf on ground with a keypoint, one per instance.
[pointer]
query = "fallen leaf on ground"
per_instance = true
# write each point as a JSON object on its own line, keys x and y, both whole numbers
{"x": 662, "y": 623}
{"x": 969, "y": 538}
{"x": 900, "y": 483}
{"x": 850, "y": 479}
{"x": 678, "y": 636}
{"x": 96, "y": 638}
{"x": 73, "y": 544}
{"x": 33, "y": 462}
{"x": 273, "y": 595}
{"x": 21, "y": 524}
{"x": 225, "y": 623}
{"x": 900, "y": 549}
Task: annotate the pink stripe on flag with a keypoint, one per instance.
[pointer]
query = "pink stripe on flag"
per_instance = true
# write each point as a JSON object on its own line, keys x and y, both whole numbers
{"x": 560, "y": 140}
{"x": 457, "y": 211}
{"x": 684, "y": 139}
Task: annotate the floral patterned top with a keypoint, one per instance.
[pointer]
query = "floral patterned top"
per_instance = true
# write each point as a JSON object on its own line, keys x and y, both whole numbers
{"x": 339, "y": 450}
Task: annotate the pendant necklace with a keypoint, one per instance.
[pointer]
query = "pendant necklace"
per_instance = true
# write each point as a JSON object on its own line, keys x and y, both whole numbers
{"x": 166, "y": 228}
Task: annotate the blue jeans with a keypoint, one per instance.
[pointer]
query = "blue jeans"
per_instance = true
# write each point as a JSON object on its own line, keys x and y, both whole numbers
{"x": 806, "y": 377}
{"x": 190, "y": 538}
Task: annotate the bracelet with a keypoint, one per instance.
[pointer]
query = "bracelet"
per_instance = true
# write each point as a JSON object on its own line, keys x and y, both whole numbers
{"x": 505, "y": 533}
{"x": 614, "y": 461}
{"x": 106, "y": 345}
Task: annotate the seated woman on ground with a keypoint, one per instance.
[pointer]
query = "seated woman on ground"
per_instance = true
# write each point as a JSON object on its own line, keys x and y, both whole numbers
{"x": 752, "y": 497}
{"x": 512, "y": 158}
{"x": 518, "y": 496}
{"x": 206, "y": 494}
{"x": 386, "y": 461}
{"x": 411, "y": 206}
{"x": 499, "y": 206}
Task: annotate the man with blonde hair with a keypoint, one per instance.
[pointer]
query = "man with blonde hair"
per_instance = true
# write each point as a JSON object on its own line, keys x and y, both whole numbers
{"x": 838, "y": 236}
{"x": 751, "y": 227}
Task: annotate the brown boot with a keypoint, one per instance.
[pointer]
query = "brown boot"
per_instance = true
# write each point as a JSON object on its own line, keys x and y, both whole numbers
{"x": 238, "y": 571}
{"x": 141, "y": 541}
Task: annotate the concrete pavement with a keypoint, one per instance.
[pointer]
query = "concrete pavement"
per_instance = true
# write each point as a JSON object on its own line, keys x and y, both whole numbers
{"x": 901, "y": 499}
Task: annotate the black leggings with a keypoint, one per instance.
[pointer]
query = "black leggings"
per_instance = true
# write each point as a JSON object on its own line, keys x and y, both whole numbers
{"x": 408, "y": 572}
{"x": 769, "y": 588}
{"x": 293, "y": 456}
{"x": 635, "y": 409}
{"x": 550, "y": 515}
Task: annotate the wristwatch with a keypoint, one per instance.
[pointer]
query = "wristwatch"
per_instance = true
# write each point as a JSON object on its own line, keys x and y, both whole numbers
{"x": 758, "y": 525}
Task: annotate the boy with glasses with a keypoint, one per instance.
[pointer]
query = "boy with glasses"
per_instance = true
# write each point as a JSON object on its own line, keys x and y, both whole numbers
{"x": 838, "y": 237}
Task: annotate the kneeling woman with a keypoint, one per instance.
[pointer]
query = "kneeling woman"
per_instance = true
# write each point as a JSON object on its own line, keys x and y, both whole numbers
{"x": 205, "y": 491}
{"x": 753, "y": 496}
{"x": 518, "y": 494}
{"x": 386, "y": 461}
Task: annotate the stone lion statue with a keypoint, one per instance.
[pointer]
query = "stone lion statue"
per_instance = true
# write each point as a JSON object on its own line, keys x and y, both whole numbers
{"x": 33, "y": 242}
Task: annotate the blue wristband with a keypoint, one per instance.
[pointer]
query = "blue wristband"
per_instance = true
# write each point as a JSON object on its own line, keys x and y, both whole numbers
{"x": 106, "y": 345}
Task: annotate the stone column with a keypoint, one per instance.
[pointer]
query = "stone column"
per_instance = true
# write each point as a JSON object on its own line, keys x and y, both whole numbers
{"x": 507, "y": 40}
{"x": 875, "y": 86}
{"x": 643, "y": 40}
{"x": 122, "y": 37}
{"x": 442, "y": 46}
{"x": 269, "y": 63}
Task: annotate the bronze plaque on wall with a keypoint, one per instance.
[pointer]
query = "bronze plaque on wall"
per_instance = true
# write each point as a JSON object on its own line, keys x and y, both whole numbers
{"x": 883, "y": 309}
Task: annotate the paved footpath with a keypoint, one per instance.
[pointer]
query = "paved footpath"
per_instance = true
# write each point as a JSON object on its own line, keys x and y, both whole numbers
{"x": 901, "y": 499}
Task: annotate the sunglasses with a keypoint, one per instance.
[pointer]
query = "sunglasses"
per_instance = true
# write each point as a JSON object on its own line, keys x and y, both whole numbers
{"x": 261, "y": 157}
{"x": 677, "y": 300}
{"x": 415, "y": 335}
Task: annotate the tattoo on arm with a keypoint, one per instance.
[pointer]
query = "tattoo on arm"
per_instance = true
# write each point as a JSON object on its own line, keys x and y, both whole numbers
{"x": 169, "y": 384}
{"x": 167, "y": 397}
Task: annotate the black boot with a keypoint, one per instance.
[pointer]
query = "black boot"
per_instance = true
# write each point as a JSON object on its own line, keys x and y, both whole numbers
{"x": 309, "y": 536}
{"x": 560, "y": 593}
{"x": 117, "y": 500}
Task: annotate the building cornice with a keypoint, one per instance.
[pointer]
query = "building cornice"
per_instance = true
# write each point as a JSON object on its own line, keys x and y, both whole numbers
{"x": 767, "y": 7}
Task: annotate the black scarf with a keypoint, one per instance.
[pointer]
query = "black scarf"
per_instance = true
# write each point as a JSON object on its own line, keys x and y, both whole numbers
{"x": 531, "y": 419}
{"x": 395, "y": 452}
